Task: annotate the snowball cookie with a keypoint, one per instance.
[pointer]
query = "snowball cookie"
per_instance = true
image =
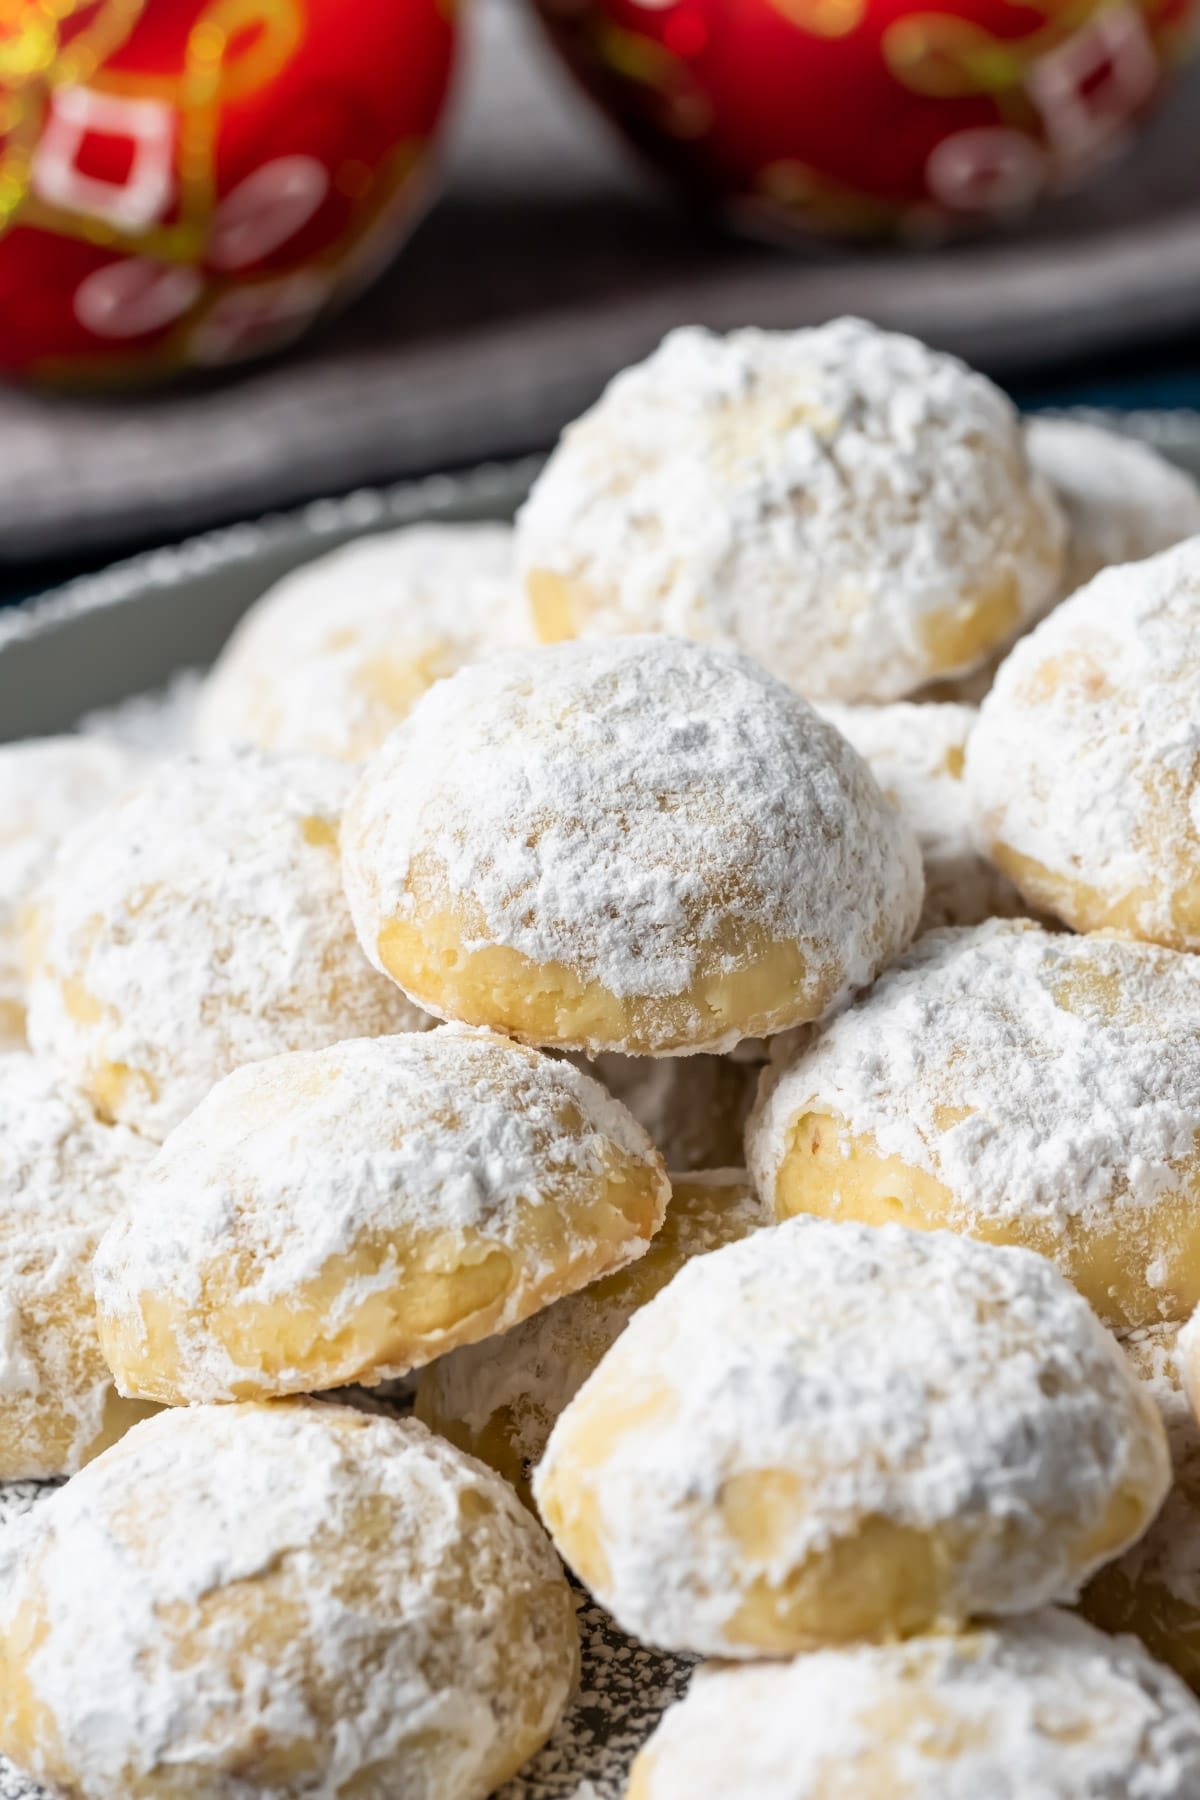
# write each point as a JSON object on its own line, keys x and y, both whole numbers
{"x": 1154, "y": 1589}
{"x": 694, "y": 1107}
{"x": 852, "y": 509}
{"x": 63, "y": 1178}
{"x": 282, "y": 1601}
{"x": 334, "y": 655}
{"x": 1084, "y": 768}
{"x": 1122, "y": 500}
{"x": 1020, "y": 1085}
{"x": 916, "y": 753}
{"x": 1038, "y": 1709}
{"x": 828, "y": 1433}
{"x": 499, "y": 1399}
{"x": 348, "y": 1214}
{"x": 47, "y": 785}
{"x": 643, "y": 845}
{"x": 198, "y": 925}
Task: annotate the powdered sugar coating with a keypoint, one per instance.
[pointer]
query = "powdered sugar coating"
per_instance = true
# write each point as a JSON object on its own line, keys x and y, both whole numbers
{"x": 786, "y": 1397}
{"x": 623, "y": 1691}
{"x": 1051, "y": 1084}
{"x": 499, "y": 1399}
{"x": 63, "y": 1178}
{"x": 282, "y": 1601}
{"x": 197, "y": 925}
{"x": 648, "y": 814}
{"x": 368, "y": 1171}
{"x": 916, "y": 753}
{"x": 1154, "y": 1589}
{"x": 47, "y": 785}
{"x": 1082, "y": 770}
{"x": 1042, "y": 1708}
{"x": 333, "y": 656}
{"x": 1122, "y": 500}
{"x": 849, "y": 507}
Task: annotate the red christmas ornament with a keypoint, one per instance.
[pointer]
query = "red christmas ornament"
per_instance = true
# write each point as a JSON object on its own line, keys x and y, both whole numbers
{"x": 868, "y": 116}
{"x": 190, "y": 182}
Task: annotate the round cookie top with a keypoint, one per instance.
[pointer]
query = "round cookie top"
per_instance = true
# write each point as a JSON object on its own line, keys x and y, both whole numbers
{"x": 851, "y": 508}
{"x": 917, "y": 754}
{"x": 349, "y": 1213}
{"x": 63, "y": 1178}
{"x": 279, "y": 1601}
{"x": 499, "y": 1399}
{"x": 829, "y": 1432}
{"x": 1043, "y": 1707}
{"x": 1122, "y": 500}
{"x": 1049, "y": 1083}
{"x": 47, "y": 785}
{"x": 197, "y": 925}
{"x": 660, "y": 836}
{"x": 1082, "y": 770}
{"x": 337, "y": 652}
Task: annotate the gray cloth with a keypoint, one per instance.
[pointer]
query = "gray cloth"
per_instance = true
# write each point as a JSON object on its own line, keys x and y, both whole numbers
{"x": 551, "y": 260}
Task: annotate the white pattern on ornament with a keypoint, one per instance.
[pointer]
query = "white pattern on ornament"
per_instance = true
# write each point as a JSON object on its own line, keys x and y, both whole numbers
{"x": 987, "y": 169}
{"x": 1088, "y": 89}
{"x": 134, "y": 296}
{"x": 247, "y": 321}
{"x": 266, "y": 210}
{"x": 79, "y": 114}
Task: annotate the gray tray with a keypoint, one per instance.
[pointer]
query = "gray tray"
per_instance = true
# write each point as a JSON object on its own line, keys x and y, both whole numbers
{"x": 109, "y": 637}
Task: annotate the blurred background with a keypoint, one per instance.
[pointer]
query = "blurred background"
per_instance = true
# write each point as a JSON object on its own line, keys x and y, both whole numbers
{"x": 189, "y": 191}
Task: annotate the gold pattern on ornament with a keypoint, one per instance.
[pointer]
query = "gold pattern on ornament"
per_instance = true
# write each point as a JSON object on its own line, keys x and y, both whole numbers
{"x": 233, "y": 49}
{"x": 796, "y": 191}
{"x": 823, "y": 18}
{"x": 685, "y": 109}
{"x": 39, "y": 50}
{"x": 946, "y": 57}
{"x": 335, "y": 267}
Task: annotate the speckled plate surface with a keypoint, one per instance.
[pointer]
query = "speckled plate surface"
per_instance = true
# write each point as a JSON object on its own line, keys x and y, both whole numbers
{"x": 127, "y": 632}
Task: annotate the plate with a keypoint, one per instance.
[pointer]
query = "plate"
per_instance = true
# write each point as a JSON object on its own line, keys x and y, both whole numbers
{"x": 107, "y": 638}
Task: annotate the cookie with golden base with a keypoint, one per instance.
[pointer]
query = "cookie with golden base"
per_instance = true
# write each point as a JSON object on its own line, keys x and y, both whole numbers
{"x": 850, "y": 508}
{"x": 63, "y": 1179}
{"x": 198, "y": 925}
{"x": 1041, "y": 1706}
{"x": 1018, "y": 1084}
{"x": 47, "y": 786}
{"x": 1084, "y": 768}
{"x": 642, "y": 845}
{"x": 1154, "y": 1589}
{"x": 827, "y": 1434}
{"x": 499, "y": 1399}
{"x": 281, "y": 1601}
{"x": 336, "y": 654}
{"x": 346, "y": 1215}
